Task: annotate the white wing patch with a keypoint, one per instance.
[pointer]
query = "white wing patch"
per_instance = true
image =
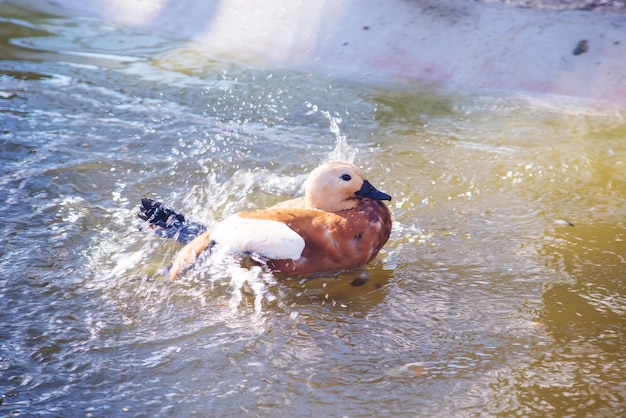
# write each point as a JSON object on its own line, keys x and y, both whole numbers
{"x": 270, "y": 239}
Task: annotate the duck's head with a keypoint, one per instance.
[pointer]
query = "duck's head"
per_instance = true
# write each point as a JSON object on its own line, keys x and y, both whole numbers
{"x": 338, "y": 186}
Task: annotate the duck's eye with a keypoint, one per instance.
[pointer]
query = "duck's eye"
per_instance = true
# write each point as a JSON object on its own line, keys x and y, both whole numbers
{"x": 346, "y": 177}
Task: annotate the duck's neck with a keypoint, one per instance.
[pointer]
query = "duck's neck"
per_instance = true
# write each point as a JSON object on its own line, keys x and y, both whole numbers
{"x": 330, "y": 205}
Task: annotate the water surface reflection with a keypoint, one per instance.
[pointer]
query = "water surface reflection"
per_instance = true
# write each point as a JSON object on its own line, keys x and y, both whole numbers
{"x": 485, "y": 301}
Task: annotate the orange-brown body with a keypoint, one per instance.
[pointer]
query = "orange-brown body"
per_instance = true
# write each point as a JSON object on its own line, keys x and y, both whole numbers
{"x": 340, "y": 223}
{"x": 333, "y": 240}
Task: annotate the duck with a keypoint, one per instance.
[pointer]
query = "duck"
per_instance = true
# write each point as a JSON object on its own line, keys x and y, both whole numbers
{"x": 341, "y": 223}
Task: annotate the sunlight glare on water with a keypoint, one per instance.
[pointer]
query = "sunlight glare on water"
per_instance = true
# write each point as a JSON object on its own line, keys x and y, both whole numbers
{"x": 500, "y": 291}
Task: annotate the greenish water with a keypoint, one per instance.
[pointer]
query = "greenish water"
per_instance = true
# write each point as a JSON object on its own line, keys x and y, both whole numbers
{"x": 500, "y": 293}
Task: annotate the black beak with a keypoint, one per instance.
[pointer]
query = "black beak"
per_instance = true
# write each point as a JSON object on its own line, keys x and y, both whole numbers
{"x": 367, "y": 190}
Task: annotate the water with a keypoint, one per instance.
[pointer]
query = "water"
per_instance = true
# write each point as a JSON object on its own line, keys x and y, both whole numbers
{"x": 500, "y": 291}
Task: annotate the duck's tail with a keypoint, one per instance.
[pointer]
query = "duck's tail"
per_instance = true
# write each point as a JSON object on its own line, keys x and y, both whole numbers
{"x": 167, "y": 222}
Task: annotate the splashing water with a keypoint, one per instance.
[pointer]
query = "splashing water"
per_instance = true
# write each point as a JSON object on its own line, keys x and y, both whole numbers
{"x": 237, "y": 286}
{"x": 342, "y": 151}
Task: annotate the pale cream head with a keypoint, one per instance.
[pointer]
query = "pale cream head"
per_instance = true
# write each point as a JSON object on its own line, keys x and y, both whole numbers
{"x": 337, "y": 186}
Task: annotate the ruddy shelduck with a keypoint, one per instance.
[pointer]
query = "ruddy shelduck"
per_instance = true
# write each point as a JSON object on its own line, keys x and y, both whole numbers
{"x": 340, "y": 223}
